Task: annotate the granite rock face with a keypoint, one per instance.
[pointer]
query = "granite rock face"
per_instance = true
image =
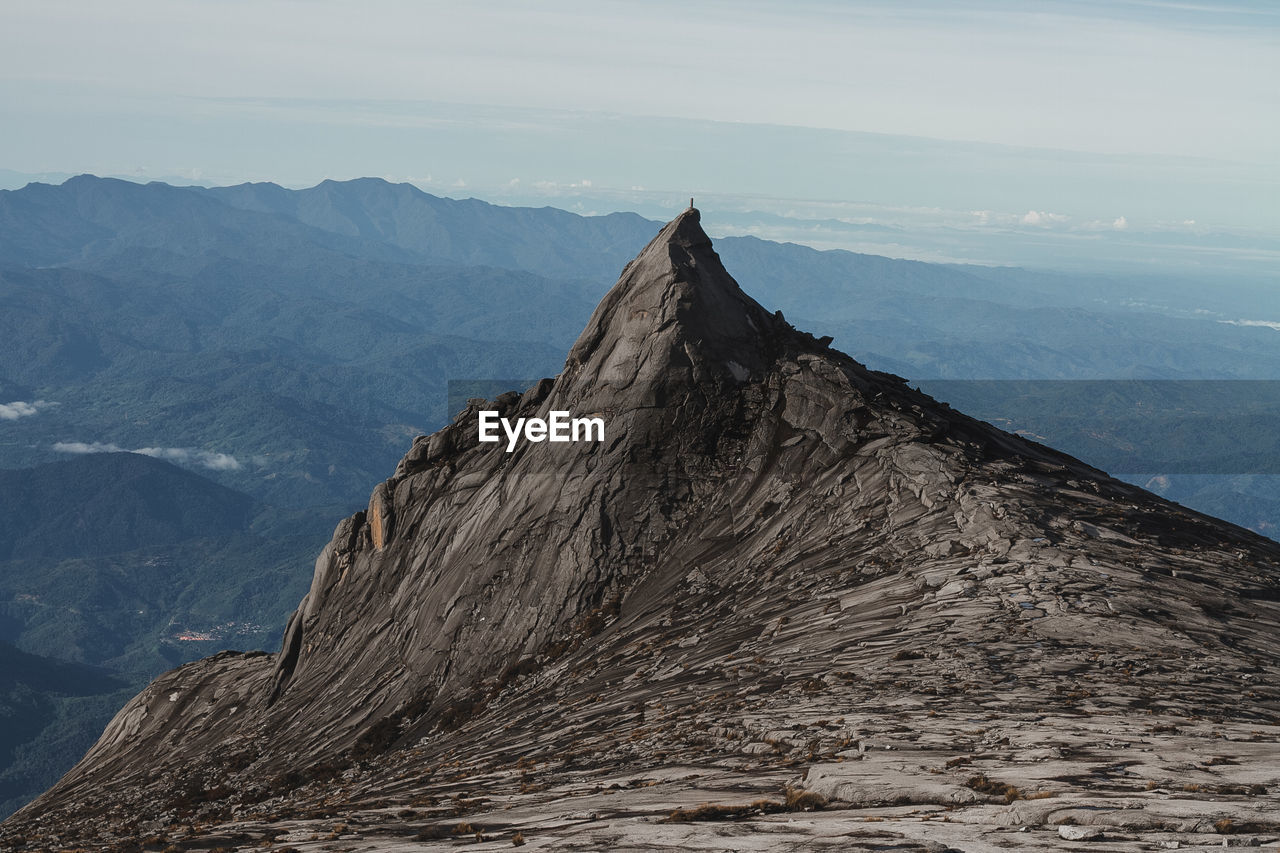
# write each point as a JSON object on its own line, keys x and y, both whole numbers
{"x": 781, "y": 582}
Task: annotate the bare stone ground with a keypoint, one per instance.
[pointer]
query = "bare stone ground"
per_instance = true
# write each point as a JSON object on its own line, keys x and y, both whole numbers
{"x": 1069, "y": 783}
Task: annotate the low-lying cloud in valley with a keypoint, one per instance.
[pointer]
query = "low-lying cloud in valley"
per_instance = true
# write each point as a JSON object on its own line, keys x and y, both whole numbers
{"x": 18, "y": 409}
{"x": 180, "y": 455}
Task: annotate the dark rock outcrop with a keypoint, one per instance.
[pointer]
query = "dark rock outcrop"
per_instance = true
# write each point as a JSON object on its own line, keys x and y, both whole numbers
{"x": 771, "y": 543}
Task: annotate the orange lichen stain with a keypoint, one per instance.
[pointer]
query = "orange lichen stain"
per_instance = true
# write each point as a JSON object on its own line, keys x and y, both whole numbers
{"x": 375, "y": 520}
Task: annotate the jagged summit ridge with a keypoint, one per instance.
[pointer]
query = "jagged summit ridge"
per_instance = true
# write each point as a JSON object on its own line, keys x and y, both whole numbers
{"x": 771, "y": 535}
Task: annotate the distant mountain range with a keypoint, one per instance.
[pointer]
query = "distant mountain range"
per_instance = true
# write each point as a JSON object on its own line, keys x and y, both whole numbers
{"x": 282, "y": 328}
{"x": 284, "y": 347}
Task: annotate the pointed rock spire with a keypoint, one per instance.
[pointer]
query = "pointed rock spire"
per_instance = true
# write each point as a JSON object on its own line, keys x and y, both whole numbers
{"x": 675, "y": 306}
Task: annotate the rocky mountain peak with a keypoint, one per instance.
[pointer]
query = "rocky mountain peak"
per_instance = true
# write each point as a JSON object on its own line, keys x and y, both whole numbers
{"x": 777, "y": 567}
{"x": 675, "y": 308}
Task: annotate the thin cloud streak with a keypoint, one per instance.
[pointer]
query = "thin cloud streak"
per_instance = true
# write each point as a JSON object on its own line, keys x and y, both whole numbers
{"x": 181, "y": 455}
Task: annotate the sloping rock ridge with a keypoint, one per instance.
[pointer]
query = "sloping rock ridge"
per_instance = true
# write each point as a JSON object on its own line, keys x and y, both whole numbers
{"x": 781, "y": 582}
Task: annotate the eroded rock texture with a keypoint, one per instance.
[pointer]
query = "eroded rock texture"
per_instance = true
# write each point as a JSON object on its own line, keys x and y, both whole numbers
{"x": 782, "y": 581}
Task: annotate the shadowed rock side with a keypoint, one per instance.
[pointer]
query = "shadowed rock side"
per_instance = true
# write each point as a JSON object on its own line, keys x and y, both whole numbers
{"x": 777, "y": 565}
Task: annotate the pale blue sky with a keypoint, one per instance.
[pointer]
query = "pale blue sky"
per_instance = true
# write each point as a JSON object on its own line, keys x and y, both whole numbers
{"x": 1044, "y": 115}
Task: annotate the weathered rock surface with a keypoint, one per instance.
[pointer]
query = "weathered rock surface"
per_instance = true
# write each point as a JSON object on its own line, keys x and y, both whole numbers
{"x": 782, "y": 582}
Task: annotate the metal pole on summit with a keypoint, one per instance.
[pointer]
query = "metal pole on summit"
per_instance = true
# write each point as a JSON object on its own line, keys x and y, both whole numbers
{"x": 691, "y": 202}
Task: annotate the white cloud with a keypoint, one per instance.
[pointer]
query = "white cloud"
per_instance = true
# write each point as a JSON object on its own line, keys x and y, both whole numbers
{"x": 1042, "y": 218}
{"x": 1266, "y": 324}
{"x": 181, "y": 455}
{"x": 1100, "y": 225}
{"x": 1120, "y": 224}
{"x": 83, "y": 447}
{"x": 187, "y": 455}
{"x": 18, "y": 409}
